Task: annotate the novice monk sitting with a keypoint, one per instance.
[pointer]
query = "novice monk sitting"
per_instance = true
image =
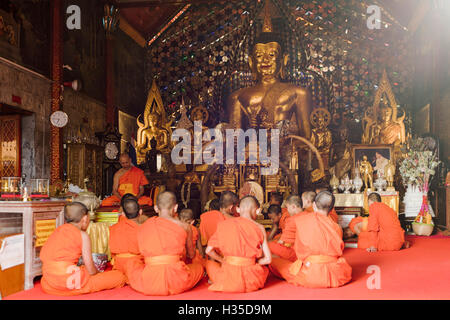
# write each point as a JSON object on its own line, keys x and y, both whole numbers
{"x": 244, "y": 246}
{"x": 318, "y": 246}
{"x": 210, "y": 219}
{"x": 384, "y": 227}
{"x": 277, "y": 199}
{"x": 60, "y": 255}
{"x": 274, "y": 213}
{"x": 123, "y": 242}
{"x": 308, "y": 199}
{"x": 128, "y": 179}
{"x": 358, "y": 227}
{"x": 332, "y": 214}
{"x": 283, "y": 247}
{"x": 164, "y": 241}
{"x": 187, "y": 216}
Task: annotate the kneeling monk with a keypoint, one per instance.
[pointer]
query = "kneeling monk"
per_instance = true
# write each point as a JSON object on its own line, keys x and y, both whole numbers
{"x": 128, "y": 179}
{"x": 244, "y": 246}
{"x": 384, "y": 227}
{"x": 282, "y": 248}
{"x": 318, "y": 246}
{"x": 61, "y": 252}
{"x": 358, "y": 227}
{"x": 123, "y": 242}
{"x": 164, "y": 241}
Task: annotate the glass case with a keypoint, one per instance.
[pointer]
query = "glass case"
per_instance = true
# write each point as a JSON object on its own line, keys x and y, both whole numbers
{"x": 39, "y": 188}
{"x": 10, "y": 187}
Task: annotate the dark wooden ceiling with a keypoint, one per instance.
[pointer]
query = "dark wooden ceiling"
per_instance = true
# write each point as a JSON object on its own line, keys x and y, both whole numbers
{"x": 149, "y": 16}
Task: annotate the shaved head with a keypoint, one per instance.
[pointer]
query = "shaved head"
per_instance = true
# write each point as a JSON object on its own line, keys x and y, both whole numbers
{"x": 124, "y": 156}
{"x": 374, "y": 197}
{"x": 74, "y": 212}
{"x": 227, "y": 198}
{"x": 249, "y": 202}
{"x": 186, "y": 215}
{"x": 324, "y": 201}
{"x": 166, "y": 200}
{"x": 309, "y": 196}
{"x": 125, "y": 161}
{"x": 131, "y": 207}
{"x": 294, "y": 199}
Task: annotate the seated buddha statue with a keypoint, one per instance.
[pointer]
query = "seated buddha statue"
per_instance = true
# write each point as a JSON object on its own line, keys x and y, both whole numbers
{"x": 270, "y": 101}
{"x": 340, "y": 159}
{"x": 391, "y": 131}
{"x": 153, "y": 131}
{"x": 321, "y": 136}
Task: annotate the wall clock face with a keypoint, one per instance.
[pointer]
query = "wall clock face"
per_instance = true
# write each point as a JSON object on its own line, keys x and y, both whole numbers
{"x": 59, "y": 119}
{"x": 111, "y": 150}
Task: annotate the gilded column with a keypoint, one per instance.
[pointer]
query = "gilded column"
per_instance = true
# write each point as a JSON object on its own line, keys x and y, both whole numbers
{"x": 56, "y": 73}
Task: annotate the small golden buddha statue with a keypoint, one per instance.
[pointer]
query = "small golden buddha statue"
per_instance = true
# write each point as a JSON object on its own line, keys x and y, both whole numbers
{"x": 321, "y": 136}
{"x": 229, "y": 177}
{"x": 392, "y": 131}
{"x": 389, "y": 173}
{"x": 153, "y": 131}
{"x": 340, "y": 159}
{"x": 367, "y": 173}
{"x": 270, "y": 101}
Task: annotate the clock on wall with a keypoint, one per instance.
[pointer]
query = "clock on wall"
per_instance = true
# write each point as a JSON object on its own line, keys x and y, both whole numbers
{"x": 111, "y": 150}
{"x": 59, "y": 119}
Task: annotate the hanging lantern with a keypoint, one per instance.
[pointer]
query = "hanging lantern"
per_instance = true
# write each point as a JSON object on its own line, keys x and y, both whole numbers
{"x": 111, "y": 18}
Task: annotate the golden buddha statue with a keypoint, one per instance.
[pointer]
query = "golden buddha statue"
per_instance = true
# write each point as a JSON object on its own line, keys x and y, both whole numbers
{"x": 340, "y": 158}
{"x": 153, "y": 131}
{"x": 269, "y": 102}
{"x": 389, "y": 172}
{"x": 156, "y": 126}
{"x": 382, "y": 126}
{"x": 367, "y": 173}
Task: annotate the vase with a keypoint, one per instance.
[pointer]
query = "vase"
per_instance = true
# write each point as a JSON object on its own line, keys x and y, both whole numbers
{"x": 423, "y": 224}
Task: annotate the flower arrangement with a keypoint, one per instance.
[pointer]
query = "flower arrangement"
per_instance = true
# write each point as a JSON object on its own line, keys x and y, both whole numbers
{"x": 416, "y": 170}
{"x": 419, "y": 164}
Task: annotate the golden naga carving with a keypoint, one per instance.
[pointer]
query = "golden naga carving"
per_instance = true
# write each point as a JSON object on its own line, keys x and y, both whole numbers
{"x": 156, "y": 126}
{"x": 269, "y": 102}
{"x": 381, "y": 124}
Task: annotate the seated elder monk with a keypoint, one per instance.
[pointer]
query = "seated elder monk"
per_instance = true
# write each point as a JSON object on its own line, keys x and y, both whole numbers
{"x": 128, "y": 179}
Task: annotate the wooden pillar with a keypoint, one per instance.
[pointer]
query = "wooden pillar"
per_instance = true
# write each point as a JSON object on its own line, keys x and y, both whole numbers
{"x": 56, "y": 151}
{"x": 111, "y": 111}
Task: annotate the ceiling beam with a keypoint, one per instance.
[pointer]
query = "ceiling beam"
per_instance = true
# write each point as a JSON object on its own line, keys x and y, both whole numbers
{"x": 131, "y": 32}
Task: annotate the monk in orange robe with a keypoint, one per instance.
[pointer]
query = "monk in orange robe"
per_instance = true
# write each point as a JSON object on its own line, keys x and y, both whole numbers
{"x": 187, "y": 215}
{"x": 384, "y": 226}
{"x": 123, "y": 242}
{"x": 164, "y": 241}
{"x": 60, "y": 255}
{"x": 274, "y": 214}
{"x": 210, "y": 219}
{"x": 308, "y": 200}
{"x": 332, "y": 214}
{"x": 318, "y": 246}
{"x": 128, "y": 179}
{"x": 358, "y": 227}
{"x": 283, "y": 247}
{"x": 245, "y": 252}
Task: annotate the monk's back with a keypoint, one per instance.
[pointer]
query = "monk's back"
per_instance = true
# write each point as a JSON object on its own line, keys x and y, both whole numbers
{"x": 64, "y": 244}
{"x": 243, "y": 238}
{"x": 123, "y": 237}
{"x": 159, "y": 236}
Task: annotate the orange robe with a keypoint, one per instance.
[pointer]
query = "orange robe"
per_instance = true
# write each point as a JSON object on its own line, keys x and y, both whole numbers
{"x": 385, "y": 227}
{"x": 284, "y": 215}
{"x": 195, "y": 236}
{"x": 333, "y": 215}
{"x": 163, "y": 244}
{"x": 60, "y": 274}
{"x": 130, "y": 182}
{"x": 123, "y": 243}
{"x": 285, "y": 250}
{"x": 240, "y": 241}
{"x": 318, "y": 246}
{"x": 365, "y": 239}
{"x": 208, "y": 224}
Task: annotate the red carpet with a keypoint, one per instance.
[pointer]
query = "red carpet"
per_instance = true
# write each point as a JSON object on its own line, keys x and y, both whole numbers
{"x": 420, "y": 272}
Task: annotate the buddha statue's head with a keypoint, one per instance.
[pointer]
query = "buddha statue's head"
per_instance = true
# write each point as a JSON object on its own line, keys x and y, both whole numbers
{"x": 364, "y": 158}
{"x": 267, "y": 59}
{"x": 152, "y": 120}
{"x": 386, "y": 113}
{"x": 343, "y": 133}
